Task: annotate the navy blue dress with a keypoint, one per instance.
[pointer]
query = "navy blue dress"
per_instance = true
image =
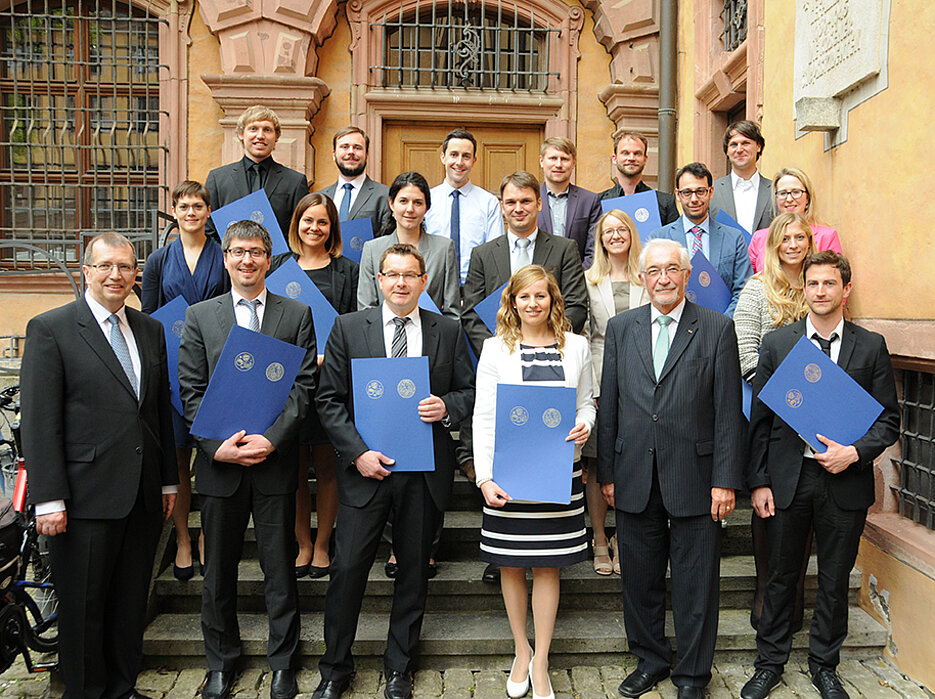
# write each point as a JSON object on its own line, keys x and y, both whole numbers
{"x": 166, "y": 276}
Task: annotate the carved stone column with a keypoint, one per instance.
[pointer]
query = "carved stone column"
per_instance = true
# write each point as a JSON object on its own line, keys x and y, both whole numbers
{"x": 269, "y": 56}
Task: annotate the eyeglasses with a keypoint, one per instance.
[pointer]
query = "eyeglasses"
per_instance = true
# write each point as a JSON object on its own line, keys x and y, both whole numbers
{"x": 669, "y": 271}
{"x": 689, "y": 193}
{"x": 609, "y": 233}
{"x": 238, "y": 253}
{"x": 108, "y": 267}
{"x": 396, "y": 276}
{"x": 184, "y": 208}
{"x": 796, "y": 194}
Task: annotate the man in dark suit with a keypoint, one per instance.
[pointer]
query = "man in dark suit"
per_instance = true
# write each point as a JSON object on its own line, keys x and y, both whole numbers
{"x": 97, "y": 436}
{"x": 368, "y": 489}
{"x": 799, "y": 490}
{"x": 247, "y": 474}
{"x": 493, "y": 263}
{"x": 258, "y": 129}
{"x": 567, "y": 210}
{"x": 672, "y": 425}
{"x": 354, "y": 194}
{"x": 630, "y": 156}
{"x": 725, "y": 247}
{"x": 744, "y": 194}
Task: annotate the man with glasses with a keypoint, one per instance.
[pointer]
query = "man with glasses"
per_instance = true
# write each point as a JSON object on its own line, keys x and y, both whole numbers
{"x": 248, "y": 474}
{"x": 724, "y": 246}
{"x": 744, "y": 194}
{"x": 368, "y": 489}
{"x": 672, "y": 422}
{"x": 97, "y": 434}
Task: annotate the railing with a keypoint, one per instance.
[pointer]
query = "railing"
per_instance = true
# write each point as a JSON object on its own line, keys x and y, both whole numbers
{"x": 734, "y": 15}
{"x": 916, "y": 488}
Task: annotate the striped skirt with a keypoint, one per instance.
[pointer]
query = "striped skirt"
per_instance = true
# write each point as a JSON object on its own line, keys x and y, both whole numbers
{"x": 524, "y": 534}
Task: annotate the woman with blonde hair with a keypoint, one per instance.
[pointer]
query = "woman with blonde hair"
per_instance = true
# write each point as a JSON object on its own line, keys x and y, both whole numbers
{"x": 613, "y": 284}
{"x": 773, "y": 298}
{"x": 793, "y": 193}
{"x": 534, "y": 344}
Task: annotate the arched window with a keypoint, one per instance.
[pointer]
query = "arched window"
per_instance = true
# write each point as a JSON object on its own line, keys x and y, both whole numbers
{"x": 80, "y": 148}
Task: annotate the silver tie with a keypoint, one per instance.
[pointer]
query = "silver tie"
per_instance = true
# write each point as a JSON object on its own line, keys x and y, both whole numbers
{"x": 119, "y": 343}
{"x": 254, "y": 318}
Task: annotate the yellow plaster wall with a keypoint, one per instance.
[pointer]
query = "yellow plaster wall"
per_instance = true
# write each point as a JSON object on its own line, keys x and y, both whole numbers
{"x": 205, "y": 135}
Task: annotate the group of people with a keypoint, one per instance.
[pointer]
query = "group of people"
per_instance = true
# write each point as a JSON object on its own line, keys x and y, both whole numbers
{"x": 659, "y": 434}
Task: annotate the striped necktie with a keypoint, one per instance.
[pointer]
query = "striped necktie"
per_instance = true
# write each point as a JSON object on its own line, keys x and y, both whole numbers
{"x": 399, "y": 347}
{"x": 254, "y": 318}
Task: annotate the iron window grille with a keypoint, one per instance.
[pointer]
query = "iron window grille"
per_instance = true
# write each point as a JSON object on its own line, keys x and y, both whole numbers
{"x": 734, "y": 15}
{"x": 917, "y": 441}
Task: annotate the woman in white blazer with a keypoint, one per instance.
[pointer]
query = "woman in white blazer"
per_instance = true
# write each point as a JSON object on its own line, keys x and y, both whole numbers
{"x": 533, "y": 345}
{"x": 614, "y": 286}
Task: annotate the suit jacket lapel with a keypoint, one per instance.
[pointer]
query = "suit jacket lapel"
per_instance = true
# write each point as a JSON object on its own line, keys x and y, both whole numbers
{"x": 429, "y": 336}
{"x": 848, "y": 341}
{"x": 375, "y": 342}
{"x": 366, "y": 189}
{"x": 145, "y": 350}
{"x": 684, "y": 333}
{"x": 571, "y": 207}
{"x": 715, "y": 244}
{"x": 543, "y": 248}
{"x": 273, "y": 178}
{"x": 544, "y": 218}
{"x": 605, "y": 291}
{"x": 763, "y": 197}
{"x": 727, "y": 195}
{"x": 224, "y": 312}
{"x": 501, "y": 257}
{"x": 91, "y": 332}
{"x": 644, "y": 341}
{"x": 272, "y": 315}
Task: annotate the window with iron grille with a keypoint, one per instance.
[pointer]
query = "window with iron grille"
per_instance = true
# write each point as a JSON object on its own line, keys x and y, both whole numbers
{"x": 917, "y": 442}
{"x": 734, "y": 15}
{"x": 79, "y": 125}
{"x": 466, "y": 45}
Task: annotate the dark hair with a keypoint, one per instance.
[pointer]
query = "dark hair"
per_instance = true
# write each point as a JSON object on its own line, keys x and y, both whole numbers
{"x": 190, "y": 188}
{"x": 333, "y": 244}
{"x": 111, "y": 240}
{"x": 462, "y": 134}
{"x": 247, "y": 230}
{"x": 829, "y": 257}
{"x": 348, "y": 130}
{"x": 697, "y": 169}
{"x": 403, "y": 249}
{"x": 749, "y": 129}
{"x": 404, "y": 179}
{"x": 521, "y": 179}
{"x": 633, "y": 135}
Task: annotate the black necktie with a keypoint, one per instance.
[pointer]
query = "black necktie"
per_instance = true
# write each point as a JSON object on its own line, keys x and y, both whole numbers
{"x": 823, "y": 343}
{"x": 255, "y": 177}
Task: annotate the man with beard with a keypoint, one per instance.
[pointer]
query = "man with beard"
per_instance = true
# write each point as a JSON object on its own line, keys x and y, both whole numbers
{"x": 630, "y": 158}
{"x": 355, "y": 194}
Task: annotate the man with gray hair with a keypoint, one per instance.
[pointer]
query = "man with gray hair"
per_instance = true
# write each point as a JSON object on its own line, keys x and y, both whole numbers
{"x": 672, "y": 436}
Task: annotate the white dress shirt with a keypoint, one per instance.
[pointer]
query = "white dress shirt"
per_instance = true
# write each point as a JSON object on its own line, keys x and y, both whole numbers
{"x": 745, "y": 195}
{"x": 339, "y": 191}
{"x": 242, "y": 313}
{"x": 705, "y": 235}
{"x": 514, "y": 248}
{"x": 413, "y": 331}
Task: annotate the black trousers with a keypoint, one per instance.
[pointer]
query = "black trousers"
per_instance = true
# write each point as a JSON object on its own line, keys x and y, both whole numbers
{"x": 101, "y": 569}
{"x": 837, "y": 537}
{"x": 224, "y": 521}
{"x": 357, "y": 536}
{"x": 691, "y": 546}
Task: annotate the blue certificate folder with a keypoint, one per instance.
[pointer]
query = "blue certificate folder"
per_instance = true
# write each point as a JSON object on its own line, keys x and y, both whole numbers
{"x": 642, "y": 207}
{"x": 387, "y": 392}
{"x": 705, "y": 286}
{"x": 813, "y": 395}
{"x": 726, "y": 220}
{"x": 249, "y": 386}
{"x": 487, "y": 309}
{"x": 253, "y": 207}
{"x": 531, "y": 459}
{"x": 172, "y": 317}
{"x": 291, "y": 281}
{"x": 355, "y": 233}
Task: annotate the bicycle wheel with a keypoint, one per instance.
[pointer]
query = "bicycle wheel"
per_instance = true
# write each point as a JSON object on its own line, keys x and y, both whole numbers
{"x": 38, "y": 596}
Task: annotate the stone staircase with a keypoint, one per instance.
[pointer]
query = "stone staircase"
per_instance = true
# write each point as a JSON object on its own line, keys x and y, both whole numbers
{"x": 465, "y": 623}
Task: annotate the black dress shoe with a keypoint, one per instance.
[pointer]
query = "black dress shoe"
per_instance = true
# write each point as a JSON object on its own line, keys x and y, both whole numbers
{"x": 301, "y": 571}
{"x": 217, "y": 684}
{"x": 759, "y": 686}
{"x": 183, "y": 573}
{"x": 331, "y": 689}
{"x": 491, "y": 574}
{"x": 432, "y": 571}
{"x": 398, "y": 685}
{"x": 135, "y": 695}
{"x": 639, "y": 682}
{"x": 828, "y": 685}
{"x": 691, "y": 693}
{"x": 391, "y": 568}
{"x": 318, "y": 571}
{"x": 283, "y": 685}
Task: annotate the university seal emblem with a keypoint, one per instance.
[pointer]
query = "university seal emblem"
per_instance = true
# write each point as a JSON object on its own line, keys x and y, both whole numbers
{"x": 293, "y": 289}
{"x": 275, "y": 371}
{"x": 641, "y": 215}
{"x": 244, "y": 361}
{"x": 519, "y": 416}
{"x": 406, "y": 388}
{"x": 812, "y": 373}
{"x": 552, "y": 417}
{"x": 691, "y": 295}
{"x": 704, "y": 279}
{"x": 357, "y": 243}
{"x": 257, "y": 217}
{"x": 794, "y": 398}
{"x": 177, "y": 328}
{"x": 374, "y": 389}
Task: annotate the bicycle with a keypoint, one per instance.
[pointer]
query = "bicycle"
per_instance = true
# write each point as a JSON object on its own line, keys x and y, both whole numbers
{"x": 28, "y": 604}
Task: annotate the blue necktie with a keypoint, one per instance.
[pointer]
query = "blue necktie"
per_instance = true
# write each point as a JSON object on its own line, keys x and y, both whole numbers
{"x": 119, "y": 343}
{"x": 345, "y": 211}
{"x": 456, "y": 223}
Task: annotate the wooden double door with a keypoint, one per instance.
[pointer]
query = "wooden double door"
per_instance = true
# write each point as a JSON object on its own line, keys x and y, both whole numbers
{"x": 501, "y": 150}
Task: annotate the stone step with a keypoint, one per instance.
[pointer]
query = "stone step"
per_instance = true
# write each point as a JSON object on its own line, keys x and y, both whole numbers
{"x": 481, "y": 639}
{"x": 458, "y": 586}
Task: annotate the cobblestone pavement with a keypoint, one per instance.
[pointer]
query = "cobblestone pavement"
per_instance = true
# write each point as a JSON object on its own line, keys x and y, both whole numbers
{"x": 873, "y": 679}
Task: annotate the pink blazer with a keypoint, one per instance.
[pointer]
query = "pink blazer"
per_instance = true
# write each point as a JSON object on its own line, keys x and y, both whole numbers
{"x": 826, "y": 238}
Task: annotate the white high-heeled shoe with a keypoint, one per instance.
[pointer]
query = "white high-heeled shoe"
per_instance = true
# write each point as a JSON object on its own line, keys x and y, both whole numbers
{"x": 532, "y": 684}
{"x": 515, "y": 690}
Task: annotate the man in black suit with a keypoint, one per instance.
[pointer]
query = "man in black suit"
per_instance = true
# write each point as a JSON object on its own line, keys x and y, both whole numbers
{"x": 672, "y": 436}
{"x": 630, "y": 159}
{"x": 97, "y": 436}
{"x": 799, "y": 490}
{"x": 354, "y": 194}
{"x": 258, "y": 129}
{"x": 568, "y": 210}
{"x": 248, "y": 474}
{"x": 368, "y": 490}
{"x": 745, "y": 195}
{"x": 493, "y": 263}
